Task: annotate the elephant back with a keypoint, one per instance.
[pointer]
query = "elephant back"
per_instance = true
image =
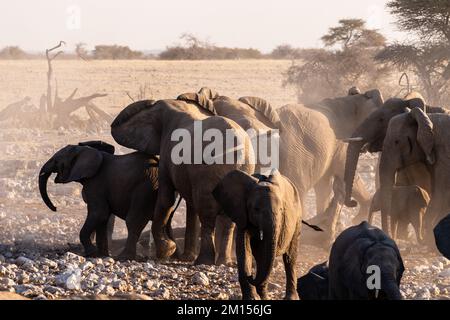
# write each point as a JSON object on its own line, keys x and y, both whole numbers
{"x": 263, "y": 107}
{"x": 201, "y": 100}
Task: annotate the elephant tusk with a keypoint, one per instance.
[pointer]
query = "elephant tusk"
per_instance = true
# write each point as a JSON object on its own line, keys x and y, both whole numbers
{"x": 261, "y": 235}
{"x": 315, "y": 274}
{"x": 355, "y": 139}
{"x": 376, "y": 293}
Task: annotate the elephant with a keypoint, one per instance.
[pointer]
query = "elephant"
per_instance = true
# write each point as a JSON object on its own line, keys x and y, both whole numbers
{"x": 369, "y": 136}
{"x": 311, "y": 135}
{"x": 125, "y": 186}
{"x": 267, "y": 213}
{"x": 254, "y": 113}
{"x": 314, "y": 284}
{"x": 360, "y": 254}
{"x": 414, "y": 137}
{"x": 177, "y": 130}
{"x": 408, "y": 205}
{"x": 442, "y": 236}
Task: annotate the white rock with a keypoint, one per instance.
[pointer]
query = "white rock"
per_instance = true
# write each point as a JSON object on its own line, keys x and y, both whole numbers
{"x": 86, "y": 266}
{"x": 74, "y": 257}
{"x": 70, "y": 279}
{"x": 200, "y": 279}
{"x": 2, "y": 259}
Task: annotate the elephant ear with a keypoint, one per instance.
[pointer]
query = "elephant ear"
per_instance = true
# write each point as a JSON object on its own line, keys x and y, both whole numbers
{"x": 416, "y": 103}
{"x": 231, "y": 194}
{"x": 200, "y": 100}
{"x": 99, "y": 145}
{"x": 86, "y": 164}
{"x": 264, "y": 107}
{"x": 209, "y": 93}
{"x": 425, "y": 135}
{"x": 376, "y": 96}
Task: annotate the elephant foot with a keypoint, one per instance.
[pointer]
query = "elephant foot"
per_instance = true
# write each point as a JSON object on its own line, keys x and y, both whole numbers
{"x": 203, "y": 259}
{"x": 225, "y": 261}
{"x": 291, "y": 296}
{"x": 187, "y": 257}
{"x": 91, "y": 252}
{"x": 165, "y": 248}
{"x": 126, "y": 256}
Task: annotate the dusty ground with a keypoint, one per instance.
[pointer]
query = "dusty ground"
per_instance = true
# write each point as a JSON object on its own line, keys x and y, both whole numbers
{"x": 34, "y": 241}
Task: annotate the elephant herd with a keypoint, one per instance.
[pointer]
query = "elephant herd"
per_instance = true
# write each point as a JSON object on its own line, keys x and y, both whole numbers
{"x": 317, "y": 147}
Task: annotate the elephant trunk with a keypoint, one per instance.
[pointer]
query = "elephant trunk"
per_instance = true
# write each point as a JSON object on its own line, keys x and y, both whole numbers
{"x": 264, "y": 265}
{"x": 391, "y": 289}
{"x": 387, "y": 181}
{"x": 354, "y": 148}
{"x": 44, "y": 174}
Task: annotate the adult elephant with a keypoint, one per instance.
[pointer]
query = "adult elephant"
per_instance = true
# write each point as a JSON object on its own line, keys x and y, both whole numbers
{"x": 311, "y": 134}
{"x": 152, "y": 127}
{"x": 369, "y": 136}
{"x": 415, "y": 137}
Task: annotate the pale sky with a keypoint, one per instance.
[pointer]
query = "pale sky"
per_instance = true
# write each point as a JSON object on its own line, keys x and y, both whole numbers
{"x": 149, "y": 24}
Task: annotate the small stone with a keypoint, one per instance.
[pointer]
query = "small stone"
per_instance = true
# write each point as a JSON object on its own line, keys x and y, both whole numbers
{"x": 200, "y": 279}
{"x": 423, "y": 294}
{"x": 49, "y": 263}
{"x": 445, "y": 273}
{"x": 6, "y": 283}
{"x": 24, "y": 262}
{"x": 74, "y": 257}
{"x": 2, "y": 259}
{"x": 162, "y": 293}
{"x": 108, "y": 290}
{"x": 119, "y": 285}
{"x": 53, "y": 290}
{"x": 86, "y": 266}
{"x": 70, "y": 279}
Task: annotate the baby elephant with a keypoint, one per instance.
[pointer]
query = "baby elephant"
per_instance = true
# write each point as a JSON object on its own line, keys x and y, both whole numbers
{"x": 408, "y": 205}
{"x": 125, "y": 186}
{"x": 314, "y": 284}
{"x": 267, "y": 213}
{"x": 364, "y": 264}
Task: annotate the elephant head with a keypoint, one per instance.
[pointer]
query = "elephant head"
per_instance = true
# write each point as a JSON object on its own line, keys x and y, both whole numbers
{"x": 409, "y": 139}
{"x": 370, "y": 135}
{"x": 256, "y": 206}
{"x": 347, "y": 113}
{"x": 363, "y": 259}
{"x": 314, "y": 284}
{"x": 71, "y": 164}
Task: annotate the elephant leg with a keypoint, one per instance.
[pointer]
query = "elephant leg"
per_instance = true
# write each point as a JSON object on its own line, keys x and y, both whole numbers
{"x": 323, "y": 190}
{"x": 101, "y": 239}
{"x": 191, "y": 234}
{"x": 262, "y": 291}
{"x": 244, "y": 260}
{"x": 290, "y": 259}
{"x": 361, "y": 195}
{"x": 402, "y": 229}
{"x": 110, "y": 230}
{"x": 96, "y": 216}
{"x": 136, "y": 222}
{"x": 224, "y": 232}
{"x": 165, "y": 246}
{"x": 417, "y": 223}
{"x": 207, "y": 249}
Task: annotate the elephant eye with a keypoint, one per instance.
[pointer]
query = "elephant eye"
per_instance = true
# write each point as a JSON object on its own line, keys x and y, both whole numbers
{"x": 396, "y": 141}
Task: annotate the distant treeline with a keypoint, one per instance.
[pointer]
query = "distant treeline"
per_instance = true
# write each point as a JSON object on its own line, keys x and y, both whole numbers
{"x": 179, "y": 52}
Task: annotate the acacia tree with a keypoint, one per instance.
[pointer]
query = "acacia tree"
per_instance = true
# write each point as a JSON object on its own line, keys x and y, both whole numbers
{"x": 346, "y": 61}
{"x": 427, "y": 53}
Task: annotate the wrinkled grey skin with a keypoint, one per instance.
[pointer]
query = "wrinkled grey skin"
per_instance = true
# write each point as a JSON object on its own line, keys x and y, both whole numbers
{"x": 267, "y": 213}
{"x": 147, "y": 126}
{"x": 314, "y": 284}
{"x": 369, "y": 136}
{"x": 125, "y": 186}
{"x": 408, "y": 205}
{"x": 442, "y": 236}
{"x": 354, "y": 250}
{"x": 415, "y": 137}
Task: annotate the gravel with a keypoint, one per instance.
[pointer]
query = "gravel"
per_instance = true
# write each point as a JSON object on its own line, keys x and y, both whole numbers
{"x": 40, "y": 255}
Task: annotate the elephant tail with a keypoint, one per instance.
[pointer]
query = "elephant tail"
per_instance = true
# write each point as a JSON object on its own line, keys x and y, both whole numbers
{"x": 314, "y": 227}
